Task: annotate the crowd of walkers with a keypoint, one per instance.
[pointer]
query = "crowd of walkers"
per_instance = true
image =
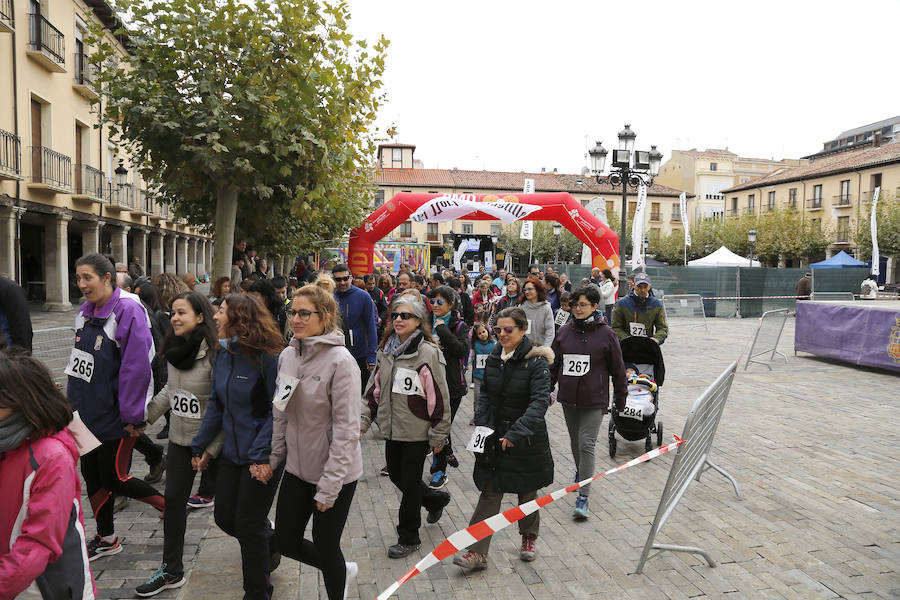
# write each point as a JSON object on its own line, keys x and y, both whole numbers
{"x": 267, "y": 386}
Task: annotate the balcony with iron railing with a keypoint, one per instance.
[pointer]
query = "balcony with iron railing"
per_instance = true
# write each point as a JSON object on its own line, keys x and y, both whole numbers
{"x": 162, "y": 210}
{"x": 50, "y": 170}
{"x": 749, "y": 210}
{"x": 791, "y": 204}
{"x": 814, "y": 203}
{"x": 842, "y": 200}
{"x": 48, "y": 44}
{"x": 433, "y": 237}
{"x": 767, "y": 207}
{"x": 655, "y": 217}
{"x": 732, "y": 212}
{"x": 842, "y": 236}
{"x": 675, "y": 217}
{"x": 85, "y": 82}
{"x": 10, "y": 156}
{"x": 142, "y": 204}
{"x": 89, "y": 183}
{"x": 6, "y": 16}
{"x": 121, "y": 196}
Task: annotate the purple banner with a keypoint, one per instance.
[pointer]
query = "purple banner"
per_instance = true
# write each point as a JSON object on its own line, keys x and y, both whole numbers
{"x": 862, "y": 334}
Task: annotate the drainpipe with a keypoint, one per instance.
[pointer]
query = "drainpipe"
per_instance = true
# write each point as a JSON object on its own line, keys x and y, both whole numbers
{"x": 858, "y": 206}
{"x": 17, "y": 243}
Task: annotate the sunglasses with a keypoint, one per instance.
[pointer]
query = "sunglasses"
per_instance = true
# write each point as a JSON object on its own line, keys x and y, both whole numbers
{"x": 507, "y": 330}
{"x": 402, "y": 315}
{"x": 342, "y": 279}
{"x": 438, "y": 301}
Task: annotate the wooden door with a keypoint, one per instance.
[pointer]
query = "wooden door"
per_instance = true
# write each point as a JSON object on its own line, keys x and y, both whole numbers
{"x": 36, "y": 142}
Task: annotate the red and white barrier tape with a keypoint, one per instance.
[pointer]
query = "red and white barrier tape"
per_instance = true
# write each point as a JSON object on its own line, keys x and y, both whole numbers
{"x": 751, "y": 297}
{"x": 473, "y": 533}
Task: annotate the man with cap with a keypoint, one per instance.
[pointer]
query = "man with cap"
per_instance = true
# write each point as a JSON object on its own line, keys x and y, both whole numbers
{"x": 640, "y": 314}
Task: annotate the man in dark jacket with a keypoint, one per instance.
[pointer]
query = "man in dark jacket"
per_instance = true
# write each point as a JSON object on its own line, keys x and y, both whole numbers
{"x": 452, "y": 336}
{"x": 378, "y": 298}
{"x": 804, "y": 287}
{"x": 640, "y": 314}
{"x": 15, "y": 320}
{"x": 358, "y": 312}
{"x": 465, "y": 302}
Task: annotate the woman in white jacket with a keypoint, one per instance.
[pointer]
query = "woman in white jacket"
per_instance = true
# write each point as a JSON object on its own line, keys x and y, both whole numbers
{"x": 608, "y": 288}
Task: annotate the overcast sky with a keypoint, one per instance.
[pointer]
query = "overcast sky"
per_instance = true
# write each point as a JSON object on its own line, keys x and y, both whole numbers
{"x": 518, "y": 85}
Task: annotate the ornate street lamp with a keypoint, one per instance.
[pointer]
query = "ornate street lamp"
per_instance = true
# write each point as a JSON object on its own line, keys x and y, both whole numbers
{"x": 557, "y": 229}
{"x": 646, "y": 246}
{"x": 625, "y": 172}
{"x": 751, "y": 237}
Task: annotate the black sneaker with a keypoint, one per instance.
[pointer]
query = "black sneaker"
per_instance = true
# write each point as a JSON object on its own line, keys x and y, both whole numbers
{"x": 161, "y": 580}
{"x": 384, "y": 471}
{"x": 438, "y": 480}
{"x": 97, "y": 548}
{"x": 434, "y": 516}
{"x": 452, "y": 461}
{"x": 400, "y": 550}
{"x": 156, "y": 470}
{"x": 164, "y": 432}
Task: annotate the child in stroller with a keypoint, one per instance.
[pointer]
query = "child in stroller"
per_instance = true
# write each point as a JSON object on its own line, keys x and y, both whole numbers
{"x": 645, "y": 371}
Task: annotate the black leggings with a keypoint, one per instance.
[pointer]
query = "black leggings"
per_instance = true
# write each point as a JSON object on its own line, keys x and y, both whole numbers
{"x": 179, "y": 480}
{"x": 439, "y": 463}
{"x": 105, "y": 471}
{"x": 296, "y": 504}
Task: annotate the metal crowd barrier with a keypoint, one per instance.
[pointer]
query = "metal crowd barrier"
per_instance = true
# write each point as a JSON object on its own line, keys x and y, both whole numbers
{"x": 53, "y": 347}
{"x": 691, "y": 460}
{"x": 688, "y": 306}
{"x": 767, "y": 336}
{"x": 832, "y": 296}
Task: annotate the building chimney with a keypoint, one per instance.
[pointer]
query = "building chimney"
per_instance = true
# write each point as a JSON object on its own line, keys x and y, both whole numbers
{"x": 877, "y": 140}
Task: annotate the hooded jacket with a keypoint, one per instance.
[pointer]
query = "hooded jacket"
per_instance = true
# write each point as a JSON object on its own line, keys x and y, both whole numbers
{"x": 42, "y": 539}
{"x": 358, "y": 312}
{"x": 240, "y": 405}
{"x": 454, "y": 343}
{"x": 586, "y": 355}
{"x": 318, "y": 432}
{"x": 184, "y": 386}
{"x": 424, "y": 413}
{"x": 540, "y": 322}
{"x": 647, "y": 312}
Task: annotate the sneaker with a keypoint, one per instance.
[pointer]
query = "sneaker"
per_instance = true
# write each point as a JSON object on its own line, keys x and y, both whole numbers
{"x": 471, "y": 386}
{"x": 384, "y": 471}
{"x": 399, "y": 550}
{"x": 97, "y": 548}
{"x": 164, "y": 433}
{"x": 581, "y": 508}
{"x": 156, "y": 470}
{"x": 527, "y": 551}
{"x": 434, "y": 516}
{"x": 120, "y": 504}
{"x": 438, "y": 480}
{"x": 471, "y": 561}
{"x": 161, "y": 580}
{"x": 274, "y": 555}
{"x": 451, "y": 460}
{"x": 352, "y": 572}
{"x": 200, "y": 502}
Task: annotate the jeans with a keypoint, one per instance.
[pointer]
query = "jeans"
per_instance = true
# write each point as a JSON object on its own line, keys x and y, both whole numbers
{"x": 489, "y": 505}
{"x": 242, "y": 511}
{"x": 607, "y": 310}
{"x": 440, "y": 459}
{"x": 405, "y": 461}
{"x": 105, "y": 471}
{"x": 179, "y": 480}
{"x": 583, "y": 425}
{"x": 296, "y": 505}
{"x": 364, "y": 373}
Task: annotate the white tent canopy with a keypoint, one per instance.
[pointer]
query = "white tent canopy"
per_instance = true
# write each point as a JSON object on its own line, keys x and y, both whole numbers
{"x": 723, "y": 257}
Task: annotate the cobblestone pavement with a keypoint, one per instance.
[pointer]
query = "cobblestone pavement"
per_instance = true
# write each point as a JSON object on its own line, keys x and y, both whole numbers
{"x": 811, "y": 443}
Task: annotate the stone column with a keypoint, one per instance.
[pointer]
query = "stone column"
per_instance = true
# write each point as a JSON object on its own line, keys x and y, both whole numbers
{"x": 56, "y": 262}
{"x": 140, "y": 247}
{"x": 156, "y": 253}
{"x": 120, "y": 244}
{"x": 90, "y": 237}
{"x": 201, "y": 257}
{"x": 8, "y": 240}
{"x": 180, "y": 254}
{"x": 210, "y": 248}
{"x": 192, "y": 256}
{"x": 170, "y": 252}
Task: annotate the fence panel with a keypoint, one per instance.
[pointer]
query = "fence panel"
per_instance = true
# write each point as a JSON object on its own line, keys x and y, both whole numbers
{"x": 832, "y": 296}
{"x": 767, "y": 336}
{"x": 52, "y": 347}
{"x": 691, "y": 461}
{"x": 685, "y": 307}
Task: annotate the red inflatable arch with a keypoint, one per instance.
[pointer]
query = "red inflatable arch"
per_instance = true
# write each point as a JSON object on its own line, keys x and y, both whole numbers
{"x": 557, "y": 206}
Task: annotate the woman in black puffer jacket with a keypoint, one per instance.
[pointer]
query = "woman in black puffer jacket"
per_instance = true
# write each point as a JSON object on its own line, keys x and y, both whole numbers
{"x": 515, "y": 394}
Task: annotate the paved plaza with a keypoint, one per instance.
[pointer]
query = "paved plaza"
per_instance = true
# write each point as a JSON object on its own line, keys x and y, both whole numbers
{"x": 812, "y": 444}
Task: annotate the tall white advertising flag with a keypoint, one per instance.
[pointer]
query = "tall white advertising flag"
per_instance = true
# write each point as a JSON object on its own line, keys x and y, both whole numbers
{"x": 637, "y": 229}
{"x": 682, "y": 201}
{"x": 527, "y": 232}
{"x": 873, "y": 223}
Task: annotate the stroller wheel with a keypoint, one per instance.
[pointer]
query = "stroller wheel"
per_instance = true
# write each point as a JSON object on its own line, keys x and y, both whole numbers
{"x": 612, "y": 446}
{"x": 648, "y": 443}
{"x": 659, "y": 431}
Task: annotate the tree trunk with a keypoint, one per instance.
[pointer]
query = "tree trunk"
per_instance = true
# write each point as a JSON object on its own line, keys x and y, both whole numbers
{"x": 226, "y": 214}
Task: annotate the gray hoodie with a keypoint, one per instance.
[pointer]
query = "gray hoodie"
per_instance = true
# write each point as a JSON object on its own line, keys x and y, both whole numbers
{"x": 540, "y": 322}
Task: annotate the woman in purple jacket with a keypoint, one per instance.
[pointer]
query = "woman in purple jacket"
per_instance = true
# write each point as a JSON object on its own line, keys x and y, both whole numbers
{"x": 109, "y": 385}
{"x": 587, "y": 354}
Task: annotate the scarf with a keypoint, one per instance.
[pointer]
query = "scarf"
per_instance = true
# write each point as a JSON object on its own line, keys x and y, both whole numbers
{"x": 13, "y": 431}
{"x": 181, "y": 353}
{"x": 395, "y": 347}
{"x": 581, "y": 323}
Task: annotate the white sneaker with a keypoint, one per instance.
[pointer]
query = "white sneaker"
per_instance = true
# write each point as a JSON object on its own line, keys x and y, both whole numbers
{"x": 352, "y": 571}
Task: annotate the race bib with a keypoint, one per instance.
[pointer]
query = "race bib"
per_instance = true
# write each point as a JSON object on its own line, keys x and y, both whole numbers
{"x": 286, "y": 386}
{"x": 638, "y": 329}
{"x": 479, "y": 437}
{"x": 562, "y": 317}
{"x": 81, "y": 365}
{"x": 633, "y": 410}
{"x": 576, "y": 365}
{"x": 528, "y": 331}
{"x": 406, "y": 381}
{"x": 185, "y": 404}
{"x": 480, "y": 360}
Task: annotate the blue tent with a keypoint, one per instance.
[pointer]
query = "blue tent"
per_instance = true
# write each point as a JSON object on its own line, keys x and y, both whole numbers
{"x": 841, "y": 260}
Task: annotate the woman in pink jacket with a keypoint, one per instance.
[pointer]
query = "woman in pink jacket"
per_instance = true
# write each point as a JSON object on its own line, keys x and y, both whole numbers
{"x": 42, "y": 545}
{"x": 316, "y": 431}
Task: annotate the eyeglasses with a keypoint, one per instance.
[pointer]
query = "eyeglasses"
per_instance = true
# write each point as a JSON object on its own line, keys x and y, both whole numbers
{"x": 529, "y": 289}
{"x": 402, "y": 315}
{"x": 438, "y": 301}
{"x": 342, "y": 279}
{"x": 507, "y": 330}
{"x": 582, "y": 305}
{"x": 303, "y": 314}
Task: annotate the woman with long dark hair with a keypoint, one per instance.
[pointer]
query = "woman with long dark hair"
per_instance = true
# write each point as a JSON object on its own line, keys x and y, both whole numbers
{"x": 220, "y": 288}
{"x": 189, "y": 351}
{"x": 240, "y": 405}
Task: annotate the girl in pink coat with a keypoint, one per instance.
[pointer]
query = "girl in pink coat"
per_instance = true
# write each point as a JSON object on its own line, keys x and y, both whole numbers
{"x": 42, "y": 543}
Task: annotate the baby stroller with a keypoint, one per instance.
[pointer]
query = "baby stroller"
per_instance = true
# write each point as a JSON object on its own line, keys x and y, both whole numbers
{"x": 647, "y": 357}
